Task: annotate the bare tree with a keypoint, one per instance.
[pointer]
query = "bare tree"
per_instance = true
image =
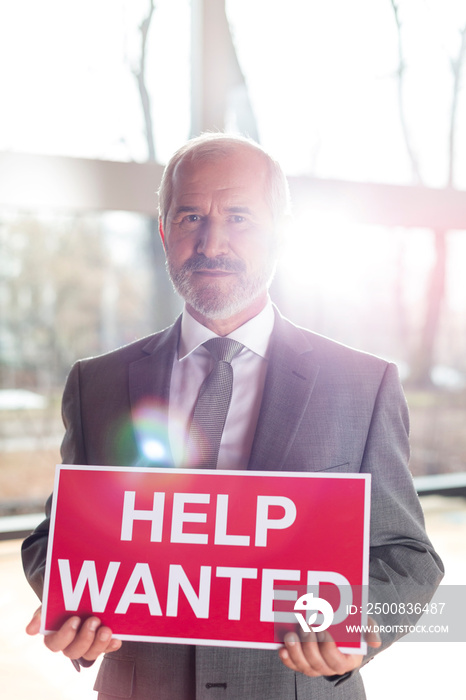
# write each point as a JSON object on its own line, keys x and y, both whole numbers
{"x": 164, "y": 303}
{"x": 140, "y": 75}
{"x": 423, "y": 355}
{"x": 228, "y": 88}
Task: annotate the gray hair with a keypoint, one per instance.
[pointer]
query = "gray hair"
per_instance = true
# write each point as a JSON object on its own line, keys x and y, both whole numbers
{"x": 211, "y": 145}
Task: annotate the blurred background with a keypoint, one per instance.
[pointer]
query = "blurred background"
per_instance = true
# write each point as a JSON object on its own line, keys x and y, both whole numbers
{"x": 363, "y": 103}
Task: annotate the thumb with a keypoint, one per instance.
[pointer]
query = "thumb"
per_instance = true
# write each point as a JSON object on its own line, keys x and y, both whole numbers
{"x": 34, "y": 625}
{"x": 372, "y": 637}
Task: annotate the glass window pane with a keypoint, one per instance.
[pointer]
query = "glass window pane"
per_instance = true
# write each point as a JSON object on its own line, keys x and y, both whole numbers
{"x": 68, "y": 77}
{"x": 70, "y": 287}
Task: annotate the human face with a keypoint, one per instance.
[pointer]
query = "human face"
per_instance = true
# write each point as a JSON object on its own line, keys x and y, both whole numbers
{"x": 220, "y": 237}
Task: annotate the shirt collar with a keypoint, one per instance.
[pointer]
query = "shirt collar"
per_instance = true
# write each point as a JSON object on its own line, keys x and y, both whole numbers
{"x": 254, "y": 334}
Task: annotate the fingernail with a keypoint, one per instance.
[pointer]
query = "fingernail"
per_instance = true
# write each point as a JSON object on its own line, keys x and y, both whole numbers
{"x": 104, "y": 636}
{"x": 291, "y": 638}
{"x": 320, "y": 636}
{"x": 74, "y": 624}
{"x": 93, "y": 625}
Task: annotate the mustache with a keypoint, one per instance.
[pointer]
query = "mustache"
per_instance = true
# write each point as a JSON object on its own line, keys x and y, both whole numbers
{"x": 199, "y": 263}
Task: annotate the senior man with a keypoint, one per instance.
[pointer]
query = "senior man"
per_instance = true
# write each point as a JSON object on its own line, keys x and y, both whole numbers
{"x": 299, "y": 402}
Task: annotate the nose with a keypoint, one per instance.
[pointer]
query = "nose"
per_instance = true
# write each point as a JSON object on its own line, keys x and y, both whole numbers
{"x": 213, "y": 239}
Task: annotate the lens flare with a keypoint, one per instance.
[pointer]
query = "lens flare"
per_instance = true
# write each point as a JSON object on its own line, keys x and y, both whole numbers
{"x": 150, "y": 423}
{"x": 154, "y": 450}
{"x": 158, "y": 446}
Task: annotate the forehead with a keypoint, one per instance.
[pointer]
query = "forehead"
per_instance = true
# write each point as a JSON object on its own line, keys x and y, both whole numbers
{"x": 240, "y": 173}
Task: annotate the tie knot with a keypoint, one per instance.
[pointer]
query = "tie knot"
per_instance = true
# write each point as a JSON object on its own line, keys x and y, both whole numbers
{"x": 223, "y": 348}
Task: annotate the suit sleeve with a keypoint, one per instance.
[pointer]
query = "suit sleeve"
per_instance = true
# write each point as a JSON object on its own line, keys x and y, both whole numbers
{"x": 404, "y": 568}
{"x": 34, "y": 548}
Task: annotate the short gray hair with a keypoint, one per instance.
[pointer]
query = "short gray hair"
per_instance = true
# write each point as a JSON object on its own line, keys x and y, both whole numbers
{"x": 211, "y": 145}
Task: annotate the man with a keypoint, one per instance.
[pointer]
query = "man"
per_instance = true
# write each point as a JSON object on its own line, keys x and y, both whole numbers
{"x": 299, "y": 402}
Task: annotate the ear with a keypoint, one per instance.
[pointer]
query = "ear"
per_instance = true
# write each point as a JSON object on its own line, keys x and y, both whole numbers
{"x": 162, "y": 233}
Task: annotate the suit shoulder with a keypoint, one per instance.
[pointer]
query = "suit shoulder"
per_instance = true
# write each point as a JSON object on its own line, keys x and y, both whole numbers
{"x": 131, "y": 352}
{"x": 327, "y": 351}
{"x": 327, "y": 347}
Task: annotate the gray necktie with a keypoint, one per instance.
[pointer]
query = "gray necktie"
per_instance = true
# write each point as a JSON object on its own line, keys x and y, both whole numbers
{"x": 212, "y": 405}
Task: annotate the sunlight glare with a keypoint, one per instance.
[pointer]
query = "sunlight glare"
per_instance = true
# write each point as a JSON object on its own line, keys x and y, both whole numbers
{"x": 328, "y": 253}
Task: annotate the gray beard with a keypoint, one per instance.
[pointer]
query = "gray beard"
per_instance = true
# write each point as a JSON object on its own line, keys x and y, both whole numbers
{"x": 208, "y": 301}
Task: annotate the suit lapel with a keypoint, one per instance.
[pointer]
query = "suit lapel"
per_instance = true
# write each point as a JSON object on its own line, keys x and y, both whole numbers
{"x": 149, "y": 389}
{"x": 288, "y": 387}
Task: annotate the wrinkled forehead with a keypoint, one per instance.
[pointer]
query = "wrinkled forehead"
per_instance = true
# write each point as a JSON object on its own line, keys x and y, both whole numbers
{"x": 230, "y": 163}
{"x": 236, "y": 176}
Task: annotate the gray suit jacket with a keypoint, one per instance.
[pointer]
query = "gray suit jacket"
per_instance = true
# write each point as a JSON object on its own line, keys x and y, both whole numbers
{"x": 325, "y": 407}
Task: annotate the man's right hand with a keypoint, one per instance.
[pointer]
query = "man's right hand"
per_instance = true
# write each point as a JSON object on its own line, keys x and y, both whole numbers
{"x": 77, "y": 638}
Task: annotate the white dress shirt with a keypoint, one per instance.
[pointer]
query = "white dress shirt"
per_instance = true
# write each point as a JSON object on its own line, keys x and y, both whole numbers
{"x": 194, "y": 362}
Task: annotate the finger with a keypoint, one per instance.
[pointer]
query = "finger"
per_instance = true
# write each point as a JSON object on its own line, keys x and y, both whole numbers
{"x": 284, "y": 653}
{"x": 91, "y": 641}
{"x": 62, "y": 638}
{"x": 103, "y": 644}
{"x": 335, "y": 660}
{"x": 317, "y": 655}
{"x": 372, "y": 637}
{"x": 83, "y": 640}
{"x": 322, "y": 653}
{"x": 33, "y": 626}
{"x": 304, "y": 657}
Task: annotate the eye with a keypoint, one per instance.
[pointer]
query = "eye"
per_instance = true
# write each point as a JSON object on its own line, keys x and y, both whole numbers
{"x": 237, "y": 219}
{"x": 190, "y": 221}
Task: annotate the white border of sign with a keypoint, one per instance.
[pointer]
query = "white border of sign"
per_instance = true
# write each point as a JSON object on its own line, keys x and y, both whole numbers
{"x": 243, "y": 473}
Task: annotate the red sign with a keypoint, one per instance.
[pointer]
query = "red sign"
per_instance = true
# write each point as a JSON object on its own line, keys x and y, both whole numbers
{"x": 209, "y": 557}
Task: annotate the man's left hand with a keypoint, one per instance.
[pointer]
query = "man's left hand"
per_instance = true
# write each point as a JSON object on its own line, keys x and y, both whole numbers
{"x": 318, "y": 655}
